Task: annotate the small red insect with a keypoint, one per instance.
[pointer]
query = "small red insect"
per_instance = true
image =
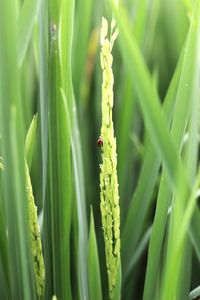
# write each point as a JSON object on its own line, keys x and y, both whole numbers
{"x": 100, "y": 141}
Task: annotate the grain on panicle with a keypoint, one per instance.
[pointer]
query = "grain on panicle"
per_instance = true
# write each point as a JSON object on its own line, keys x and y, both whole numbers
{"x": 36, "y": 243}
{"x": 109, "y": 193}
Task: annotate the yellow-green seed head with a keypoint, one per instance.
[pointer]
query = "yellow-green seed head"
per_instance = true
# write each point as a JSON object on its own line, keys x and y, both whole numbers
{"x": 108, "y": 177}
{"x": 36, "y": 244}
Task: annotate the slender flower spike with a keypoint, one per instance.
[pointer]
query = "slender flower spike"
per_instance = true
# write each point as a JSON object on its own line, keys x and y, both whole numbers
{"x": 35, "y": 238}
{"x": 36, "y": 244}
{"x": 108, "y": 177}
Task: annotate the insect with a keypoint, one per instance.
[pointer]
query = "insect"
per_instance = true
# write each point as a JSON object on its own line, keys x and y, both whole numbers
{"x": 100, "y": 141}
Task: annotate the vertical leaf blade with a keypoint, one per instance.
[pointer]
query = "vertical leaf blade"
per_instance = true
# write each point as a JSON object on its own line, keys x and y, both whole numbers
{"x": 94, "y": 275}
{"x": 15, "y": 200}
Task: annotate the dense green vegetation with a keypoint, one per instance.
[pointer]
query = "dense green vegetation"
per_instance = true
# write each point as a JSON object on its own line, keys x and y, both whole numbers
{"x": 50, "y": 122}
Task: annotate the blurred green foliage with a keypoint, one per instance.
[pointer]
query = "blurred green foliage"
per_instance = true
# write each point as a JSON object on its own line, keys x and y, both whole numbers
{"x": 50, "y": 65}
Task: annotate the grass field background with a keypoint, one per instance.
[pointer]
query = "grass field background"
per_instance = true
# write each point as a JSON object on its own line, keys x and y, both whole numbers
{"x": 50, "y": 121}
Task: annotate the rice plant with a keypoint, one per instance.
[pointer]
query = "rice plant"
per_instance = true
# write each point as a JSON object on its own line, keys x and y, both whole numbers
{"x": 99, "y": 149}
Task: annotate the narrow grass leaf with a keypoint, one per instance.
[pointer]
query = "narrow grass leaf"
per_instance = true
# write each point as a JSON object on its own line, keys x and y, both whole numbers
{"x": 67, "y": 27}
{"x": 43, "y": 89}
{"x": 194, "y": 232}
{"x": 26, "y": 19}
{"x": 15, "y": 201}
{"x": 66, "y": 31}
{"x": 81, "y": 210}
{"x": 180, "y": 119}
{"x": 139, "y": 250}
{"x": 195, "y": 293}
{"x": 58, "y": 201}
{"x": 81, "y": 38}
{"x": 151, "y": 26}
{"x": 126, "y": 112}
{"x": 150, "y": 107}
{"x": 140, "y": 201}
{"x": 94, "y": 274}
{"x": 177, "y": 234}
{"x": 4, "y": 259}
{"x": 148, "y": 99}
{"x": 30, "y": 140}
